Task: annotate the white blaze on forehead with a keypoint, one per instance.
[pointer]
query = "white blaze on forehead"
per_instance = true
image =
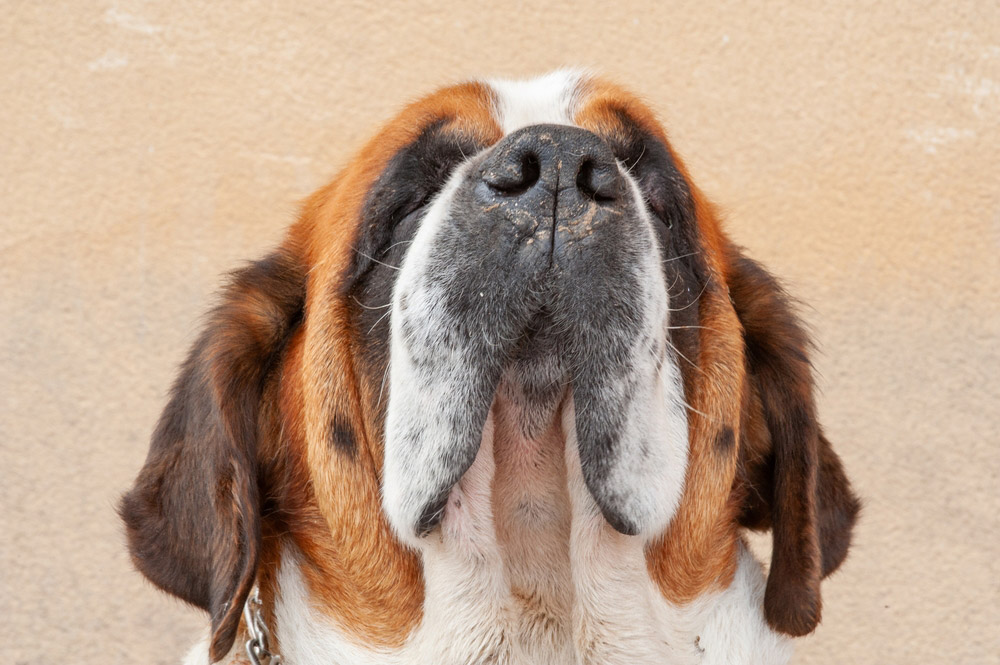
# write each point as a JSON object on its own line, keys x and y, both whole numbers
{"x": 549, "y": 99}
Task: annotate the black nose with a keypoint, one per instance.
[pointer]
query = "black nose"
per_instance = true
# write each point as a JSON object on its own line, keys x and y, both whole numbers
{"x": 542, "y": 162}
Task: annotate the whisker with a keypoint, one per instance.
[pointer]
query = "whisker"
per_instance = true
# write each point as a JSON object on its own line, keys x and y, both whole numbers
{"x": 319, "y": 264}
{"x": 682, "y": 256}
{"x": 401, "y": 242}
{"x": 678, "y": 352}
{"x": 372, "y": 258}
{"x": 696, "y": 298}
{"x": 387, "y": 313}
{"x": 487, "y": 337}
{"x": 385, "y": 375}
{"x": 673, "y": 283}
{"x": 689, "y": 327}
{"x": 388, "y": 304}
{"x": 637, "y": 159}
{"x": 700, "y": 413}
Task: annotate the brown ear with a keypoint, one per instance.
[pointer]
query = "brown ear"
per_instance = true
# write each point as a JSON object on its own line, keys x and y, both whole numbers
{"x": 792, "y": 480}
{"x": 193, "y": 515}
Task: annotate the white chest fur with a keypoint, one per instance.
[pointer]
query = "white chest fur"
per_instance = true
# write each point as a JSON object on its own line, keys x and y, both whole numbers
{"x": 524, "y": 571}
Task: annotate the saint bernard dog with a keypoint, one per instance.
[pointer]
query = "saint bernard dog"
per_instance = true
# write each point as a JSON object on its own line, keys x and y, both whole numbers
{"x": 506, "y": 393}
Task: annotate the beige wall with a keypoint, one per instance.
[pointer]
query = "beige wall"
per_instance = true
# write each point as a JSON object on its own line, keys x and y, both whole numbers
{"x": 147, "y": 147}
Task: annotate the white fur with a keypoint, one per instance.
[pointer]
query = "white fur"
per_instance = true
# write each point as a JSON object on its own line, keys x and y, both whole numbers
{"x": 548, "y": 99}
{"x": 723, "y": 628}
{"x": 733, "y": 629}
{"x": 198, "y": 654}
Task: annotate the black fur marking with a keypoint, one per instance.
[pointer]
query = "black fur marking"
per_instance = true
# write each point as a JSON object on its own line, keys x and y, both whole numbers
{"x": 342, "y": 436}
{"x": 725, "y": 440}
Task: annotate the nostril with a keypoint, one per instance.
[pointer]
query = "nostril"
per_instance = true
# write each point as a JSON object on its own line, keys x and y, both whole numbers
{"x": 530, "y": 170}
{"x": 598, "y": 183}
{"x": 517, "y": 176}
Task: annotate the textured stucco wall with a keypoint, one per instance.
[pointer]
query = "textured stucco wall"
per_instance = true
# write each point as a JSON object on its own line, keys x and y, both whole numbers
{"x": 147, "y": 147}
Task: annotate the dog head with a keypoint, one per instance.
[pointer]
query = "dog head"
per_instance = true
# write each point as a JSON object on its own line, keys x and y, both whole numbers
{"x": 543, "y": 230}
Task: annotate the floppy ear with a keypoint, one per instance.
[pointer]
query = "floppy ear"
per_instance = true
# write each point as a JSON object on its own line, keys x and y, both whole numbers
{"x": 794, "y": 483}
{"x": 193, "y": 516}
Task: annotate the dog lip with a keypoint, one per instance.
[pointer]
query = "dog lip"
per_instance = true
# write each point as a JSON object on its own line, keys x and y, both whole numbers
{"x": 433, "y": 513}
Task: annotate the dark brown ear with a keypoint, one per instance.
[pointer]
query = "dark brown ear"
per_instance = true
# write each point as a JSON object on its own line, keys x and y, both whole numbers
{"x": 792, "y": 480}
{"x": 193, "y": 515}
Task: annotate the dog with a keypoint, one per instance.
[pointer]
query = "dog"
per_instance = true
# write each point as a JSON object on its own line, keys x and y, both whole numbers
{"x": 506, "y": 393}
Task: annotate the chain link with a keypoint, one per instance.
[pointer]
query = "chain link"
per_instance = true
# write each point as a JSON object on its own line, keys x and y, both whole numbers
{"x": 257, "y": 645}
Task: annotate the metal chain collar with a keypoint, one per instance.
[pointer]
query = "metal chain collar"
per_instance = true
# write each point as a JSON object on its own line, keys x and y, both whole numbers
{"x": 257, "y": 645}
